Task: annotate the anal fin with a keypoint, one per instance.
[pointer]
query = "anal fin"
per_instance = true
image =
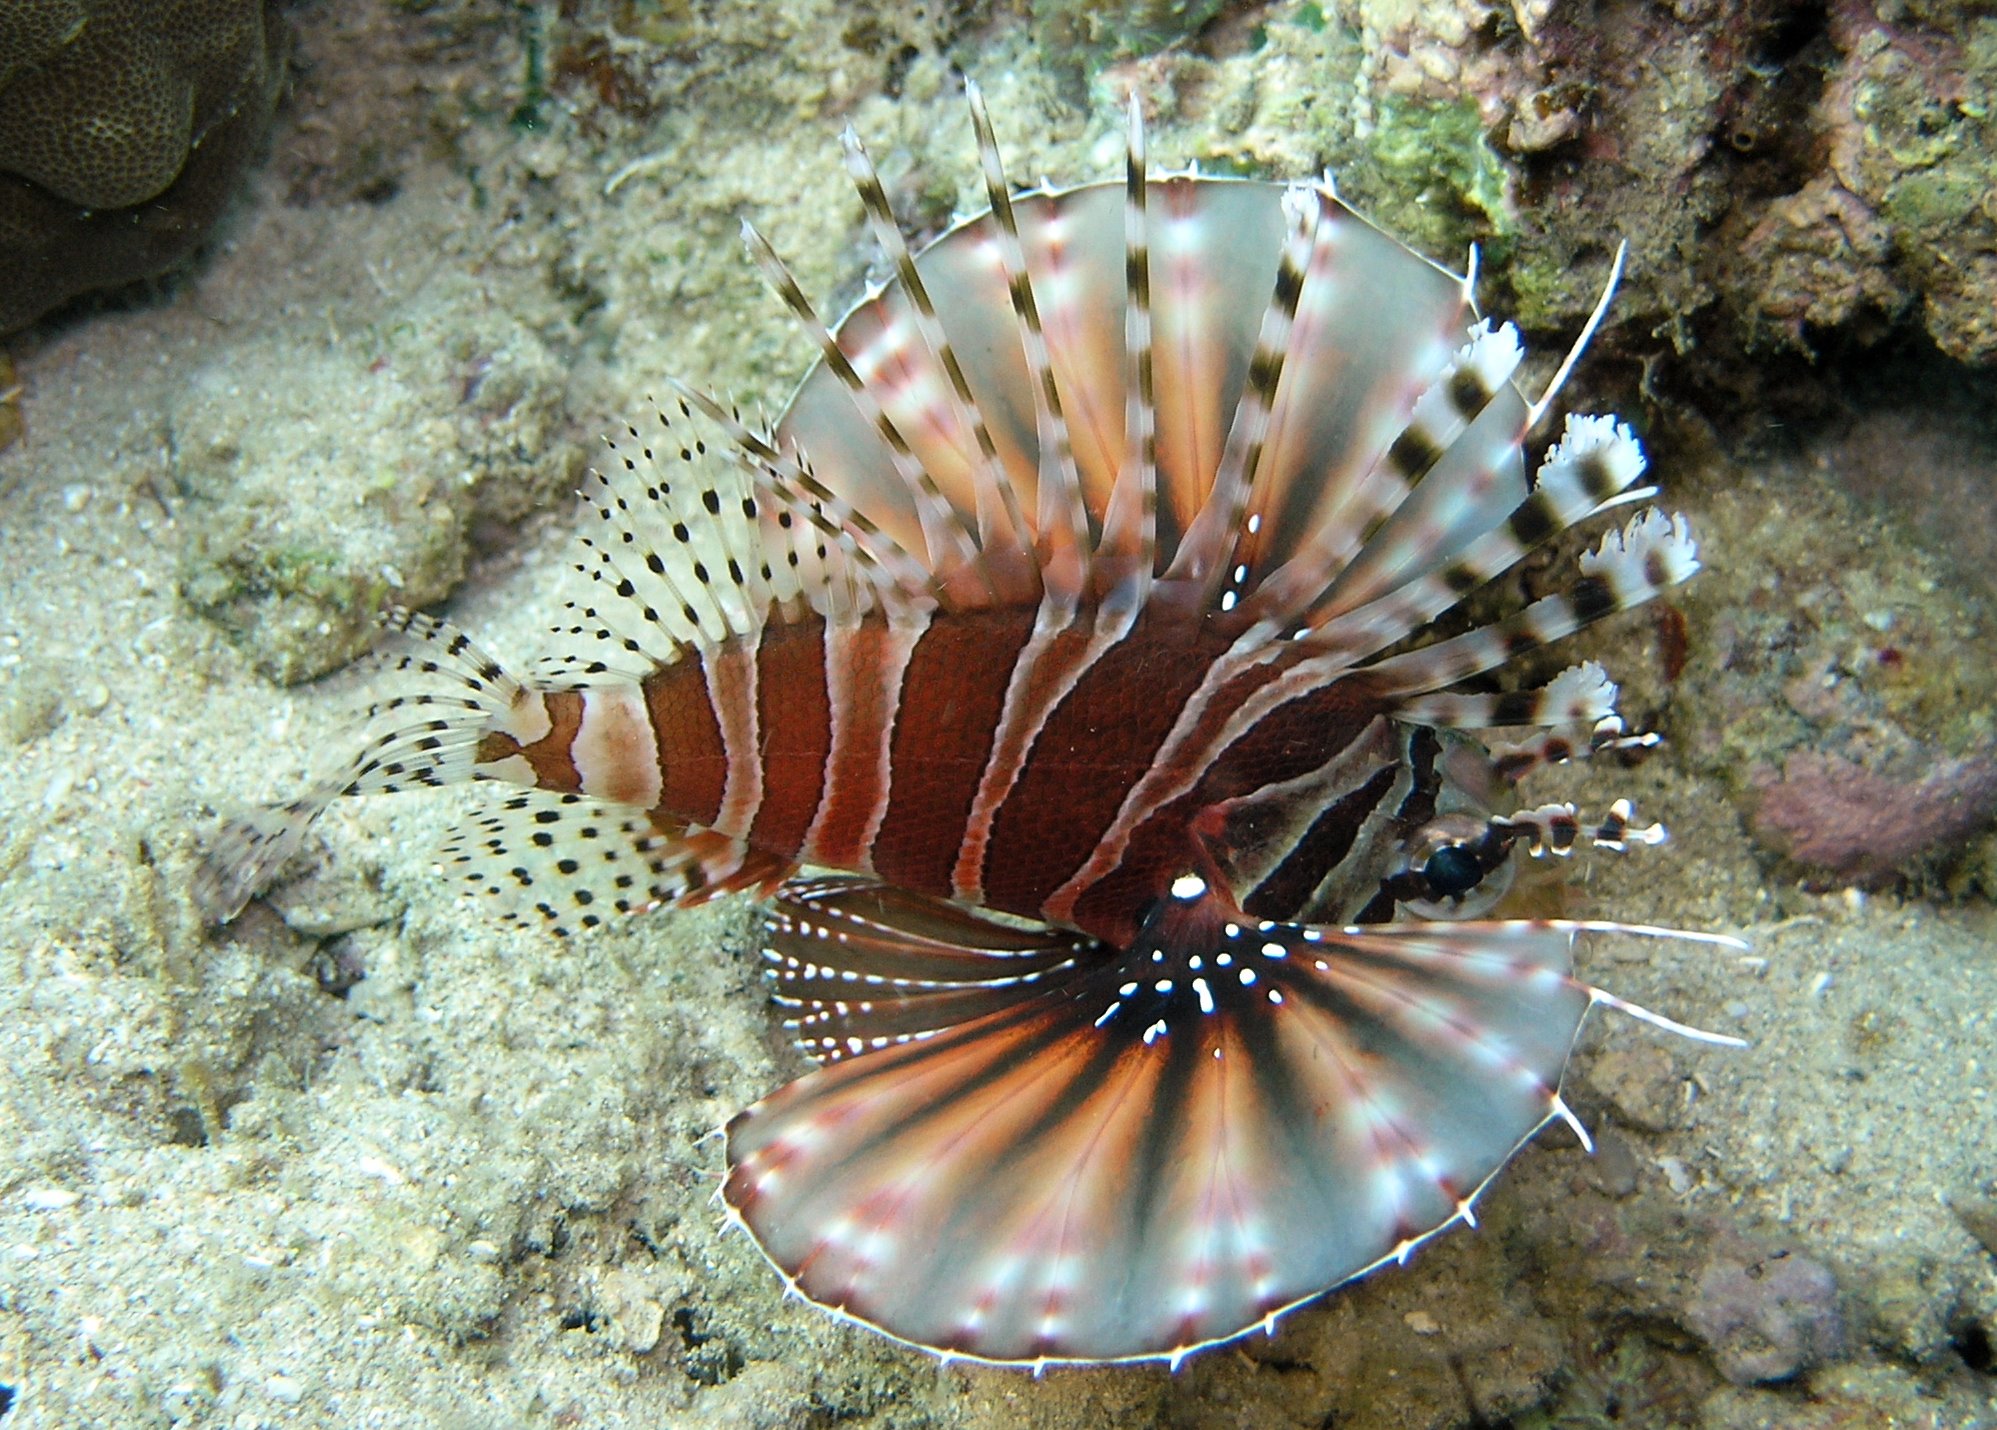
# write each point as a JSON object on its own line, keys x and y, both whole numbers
{"x": 567, "y": 863}
{"x": 859, "y": 965}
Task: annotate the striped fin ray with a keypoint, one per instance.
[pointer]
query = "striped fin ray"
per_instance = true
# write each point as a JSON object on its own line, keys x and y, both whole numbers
{"x": 1205, "y": 316}
{"x": 674, "y": 552}
{"x": 856, "y": 556}
{"x": 1128, "y": 549}
{"x": 1447, "y": 497}
{"x": 1061, "y": 522}
{"x": 1591, "y": 469}
{"x": 1168, "y": 1147}
{"x": 1455, "y": 469}
{"x": 1453, "y": 466}
{"x": 566, "y": 863}
{"x": 1373, "y": 332}
{"x": 951, "y": 554}
{"x": 427, "y": 738}
{"x": 859, "y": 965}
{"x": 1204, "y": 556}
{"x": 1652, "y": 552}
{"x": 1003, "y": 532}
{"x": 1578, "y": 699}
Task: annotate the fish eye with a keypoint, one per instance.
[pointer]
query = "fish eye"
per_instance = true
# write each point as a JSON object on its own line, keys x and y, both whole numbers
{"x": 1452, "y": 871}
{"x": 1453, "y": 867}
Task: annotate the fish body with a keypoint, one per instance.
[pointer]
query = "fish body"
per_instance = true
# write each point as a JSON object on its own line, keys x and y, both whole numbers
{"x": 1075, "y": 626}
{"x": 1064, "y": 776}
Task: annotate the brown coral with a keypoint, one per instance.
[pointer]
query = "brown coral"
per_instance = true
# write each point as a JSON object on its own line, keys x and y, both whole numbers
{"x": 123, "y": 126}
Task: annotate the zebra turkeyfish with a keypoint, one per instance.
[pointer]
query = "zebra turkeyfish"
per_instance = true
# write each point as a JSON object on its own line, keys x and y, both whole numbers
{"x": 1075, "y": 626}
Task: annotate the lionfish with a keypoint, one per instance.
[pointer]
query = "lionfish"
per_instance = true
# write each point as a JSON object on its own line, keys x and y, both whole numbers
{"x": 1077, "y": 622}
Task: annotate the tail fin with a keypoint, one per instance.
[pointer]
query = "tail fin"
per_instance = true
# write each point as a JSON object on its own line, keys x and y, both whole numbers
{"x": 423, "y": 739}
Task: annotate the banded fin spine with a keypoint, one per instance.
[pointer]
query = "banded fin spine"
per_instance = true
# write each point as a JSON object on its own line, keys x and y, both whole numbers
{"x": 1592, "y": 468}
{"x": 950, "y": 556}
{"x": 1003, "y": 532}
{"x": 1206, "y": 552}
{"x": 1061, "y": 523}
{"x": 1399, "y": 520}
{"x": 1653, "y": 552}
{"x": 1127, "y": 552}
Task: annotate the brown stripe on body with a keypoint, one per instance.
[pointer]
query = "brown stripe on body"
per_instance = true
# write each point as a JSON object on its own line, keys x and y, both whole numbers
{"x": 951, "y": 703}
{"x": 1044, "y": 670}
{"x": 794, "y": 721}
{"x": 864, "y": 665}
{"x": 731, "y": 686}
{"x": 1318, "y": 849}
{"x": 1094, "y": 747}
{"x": 693, "y": 759}
{"x": 1289, "y": 741}
{"x": 1228, "y": 684}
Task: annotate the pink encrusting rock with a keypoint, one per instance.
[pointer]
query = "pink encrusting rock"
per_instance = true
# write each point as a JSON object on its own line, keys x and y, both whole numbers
{"x": 1864, "y": 827}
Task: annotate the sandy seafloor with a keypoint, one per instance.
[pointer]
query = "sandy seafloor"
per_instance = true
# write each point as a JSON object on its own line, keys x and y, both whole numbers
{"x": 477, "y": 1189}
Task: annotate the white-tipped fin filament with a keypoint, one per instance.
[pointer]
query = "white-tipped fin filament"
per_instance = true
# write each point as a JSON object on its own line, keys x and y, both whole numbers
{"x": 1566, "y": 368}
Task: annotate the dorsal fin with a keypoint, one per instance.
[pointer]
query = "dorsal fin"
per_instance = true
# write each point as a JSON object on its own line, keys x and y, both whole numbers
{"x": 1629, "y": 567}
{"x": 1591, "y": 469}
{"x": 674, "y": 545}
{"x": 1128, "y": 549}
{"x": 1398, "y": 516}
{"x": 828, "y": 543}
{"x": 1204, "y": 557}
{"x": 1003, "y": 533}
{"x": 952, "y": 557}
{"x": 1062, "y": 519}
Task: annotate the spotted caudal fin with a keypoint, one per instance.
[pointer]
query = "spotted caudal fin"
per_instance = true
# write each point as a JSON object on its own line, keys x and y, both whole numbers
{"x": 1040, "y": 1152}
{"x": 427, "y": 737}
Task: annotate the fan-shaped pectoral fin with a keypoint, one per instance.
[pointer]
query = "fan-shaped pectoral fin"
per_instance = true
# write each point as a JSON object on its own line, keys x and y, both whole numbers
{"x": 1130, "y": 1153}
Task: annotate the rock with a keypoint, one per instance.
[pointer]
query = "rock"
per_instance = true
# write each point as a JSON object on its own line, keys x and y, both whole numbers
{"x": 1642, "y": 1083}
{"x": 1978, "y": 1215}
{"x": 30, "y": 705}
{"x": 1863, "y": 827}
{"x": 1766, "y": 1318}
{"x": 302, "y": 528}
